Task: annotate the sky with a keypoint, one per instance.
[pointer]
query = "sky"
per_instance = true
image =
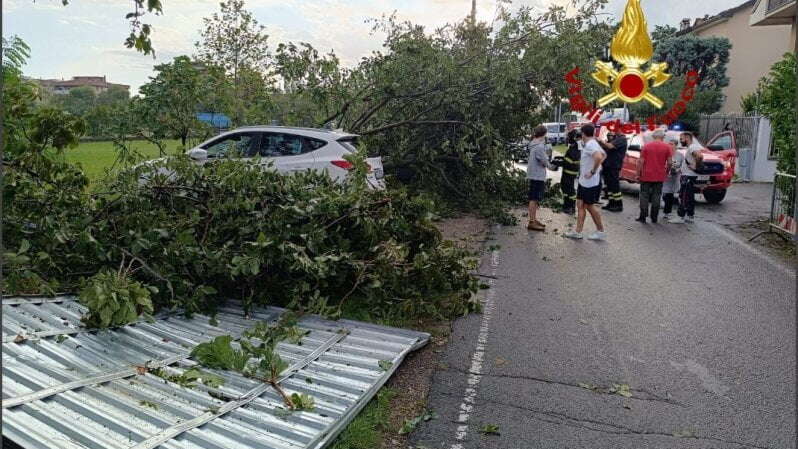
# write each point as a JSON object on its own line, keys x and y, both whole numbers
{"x": 86, "y": 37}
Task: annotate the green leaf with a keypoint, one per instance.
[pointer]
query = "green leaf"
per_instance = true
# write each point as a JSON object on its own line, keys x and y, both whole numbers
{"x": 489, "y": 429}
{"x": 385, "y": 365}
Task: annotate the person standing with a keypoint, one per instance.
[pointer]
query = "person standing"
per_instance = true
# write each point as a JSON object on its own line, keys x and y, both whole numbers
{"x": 671, "y": 185}
{"x": 570, "y": 171}
{"x": 539, "y": 161}
{"x": 615, "y": 149}
{"x": 652, "y": 169}
{"x": 692, "y": 160}
{"x": 589, "y": 190}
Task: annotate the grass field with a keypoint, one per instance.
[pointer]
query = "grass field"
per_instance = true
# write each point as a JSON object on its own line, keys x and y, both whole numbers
{"x": 96, "y": 157}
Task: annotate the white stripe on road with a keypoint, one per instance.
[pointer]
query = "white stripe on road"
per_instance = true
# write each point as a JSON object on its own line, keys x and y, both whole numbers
{"x": 475, "y": 372}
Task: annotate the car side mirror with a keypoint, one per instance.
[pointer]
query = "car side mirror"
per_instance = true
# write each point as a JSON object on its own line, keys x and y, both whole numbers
{"x": 715, "y": 147}
{"x": 198, "y": 154}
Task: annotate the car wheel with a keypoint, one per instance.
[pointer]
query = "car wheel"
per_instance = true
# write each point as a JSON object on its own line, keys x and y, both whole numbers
{"x": 714, "y": 196}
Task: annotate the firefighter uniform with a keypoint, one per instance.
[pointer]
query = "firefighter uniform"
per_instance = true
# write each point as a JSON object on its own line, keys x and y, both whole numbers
{"x": 570, "y": 173}
{"x": 611, "y": 171}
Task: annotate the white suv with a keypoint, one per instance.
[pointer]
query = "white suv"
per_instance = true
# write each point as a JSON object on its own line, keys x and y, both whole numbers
{"x": 290, "y": 150}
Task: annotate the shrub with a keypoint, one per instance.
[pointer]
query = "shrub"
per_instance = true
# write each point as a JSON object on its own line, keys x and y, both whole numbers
{"x": 226, "y": 230}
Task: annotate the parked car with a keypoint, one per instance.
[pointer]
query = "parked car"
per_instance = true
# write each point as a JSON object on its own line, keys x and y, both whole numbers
{"x": 519, "y": 151}
{"x": 556, "y": 133}
{"x": 289, "y": 150}
{"x": 720, "y": 157}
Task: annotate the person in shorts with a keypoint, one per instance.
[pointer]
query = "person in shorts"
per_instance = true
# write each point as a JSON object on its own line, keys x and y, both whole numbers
{"x": 539, "y": 161}
{"x": 588, "y": 193}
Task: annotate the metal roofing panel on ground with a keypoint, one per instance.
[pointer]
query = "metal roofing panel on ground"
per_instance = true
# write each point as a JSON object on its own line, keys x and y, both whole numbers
{"x": 68, "y": 387}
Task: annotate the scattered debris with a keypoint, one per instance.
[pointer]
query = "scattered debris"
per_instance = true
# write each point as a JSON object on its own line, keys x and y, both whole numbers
{"x": 385, "y": 365}
{"x": 411, "y": 424}
{"x": 145, "y": 403}
{"x": 489, "y": 429}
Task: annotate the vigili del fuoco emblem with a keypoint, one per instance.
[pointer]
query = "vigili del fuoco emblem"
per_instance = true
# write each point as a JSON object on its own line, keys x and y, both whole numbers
{"x": 631, "y": 48}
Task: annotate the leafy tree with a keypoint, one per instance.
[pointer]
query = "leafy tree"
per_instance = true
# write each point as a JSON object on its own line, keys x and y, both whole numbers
{"x": 78, "y": 101}
{"x": 441, "y": 106}
{"x": 706, "y": 55}
{"x": 234, "y": 41}
{"x": 775, "y": 99}
{"x": 663, "y": 32}
{"x": 112, "y": 96}
{"x": 171, "y": 98}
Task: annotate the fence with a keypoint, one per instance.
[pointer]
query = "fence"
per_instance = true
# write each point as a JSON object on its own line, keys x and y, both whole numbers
{"x": 782, "y": 207}
{"x": 752, "y": 134}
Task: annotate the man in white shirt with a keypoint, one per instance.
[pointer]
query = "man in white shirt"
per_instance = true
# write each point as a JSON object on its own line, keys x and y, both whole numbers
{"x": 692, "y": 158}
{"x": 589, "y": 192}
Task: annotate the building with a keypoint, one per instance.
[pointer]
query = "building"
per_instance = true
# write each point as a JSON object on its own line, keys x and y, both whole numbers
{"x": 776, "y": 12}
{"x": 98, "y": 83}
{"x": 754, "y": 48}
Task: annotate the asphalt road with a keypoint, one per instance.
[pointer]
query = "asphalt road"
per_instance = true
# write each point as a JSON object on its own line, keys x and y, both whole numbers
{"x": 699, "y": 325}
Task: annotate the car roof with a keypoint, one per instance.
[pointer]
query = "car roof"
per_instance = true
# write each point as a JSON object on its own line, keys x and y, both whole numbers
{"x": 318, "y": 133}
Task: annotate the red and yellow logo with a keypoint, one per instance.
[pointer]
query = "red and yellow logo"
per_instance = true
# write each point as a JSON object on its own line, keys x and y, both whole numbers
{"x": 631, "y": 48}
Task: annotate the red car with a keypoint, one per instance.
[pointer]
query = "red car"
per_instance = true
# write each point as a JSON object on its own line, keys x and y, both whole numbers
{"x": 720, "y": 157}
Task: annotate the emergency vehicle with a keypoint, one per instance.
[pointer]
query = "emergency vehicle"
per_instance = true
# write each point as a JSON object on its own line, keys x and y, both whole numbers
{"x": 720, "y": 157}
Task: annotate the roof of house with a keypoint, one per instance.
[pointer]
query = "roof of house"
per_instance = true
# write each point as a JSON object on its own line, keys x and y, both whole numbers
{"x": 70, "y": 387}
{"x": 704, "y": 22}
{"x": 80, "y": 81}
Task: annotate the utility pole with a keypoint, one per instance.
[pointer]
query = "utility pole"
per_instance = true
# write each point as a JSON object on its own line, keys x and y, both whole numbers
{"x": 473, "y": 11}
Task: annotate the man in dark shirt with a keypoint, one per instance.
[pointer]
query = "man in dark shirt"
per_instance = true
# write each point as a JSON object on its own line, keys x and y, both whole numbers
{"x": 615, "y": 146}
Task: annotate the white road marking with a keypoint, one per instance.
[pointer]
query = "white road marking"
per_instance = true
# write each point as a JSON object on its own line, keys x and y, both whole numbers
{"x": 477, "y": 358}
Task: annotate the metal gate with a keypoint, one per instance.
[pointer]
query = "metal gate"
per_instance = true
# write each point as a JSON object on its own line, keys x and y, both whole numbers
{"x": 746, "y": 132}
{"x": 782, "y": 208}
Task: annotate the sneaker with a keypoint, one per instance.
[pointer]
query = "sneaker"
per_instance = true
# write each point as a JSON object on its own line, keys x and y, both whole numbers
{"x": 539, "y": 223}
{"x": 598, "y": 235}
{"x": 677, "y": 220}
{"x": 573, "y": 235}
{"x": 666, "y": 217}
{"x": 688, "y": 219}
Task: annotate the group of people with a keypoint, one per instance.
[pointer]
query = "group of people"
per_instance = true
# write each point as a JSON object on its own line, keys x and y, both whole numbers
{"x": 662, "y": 171}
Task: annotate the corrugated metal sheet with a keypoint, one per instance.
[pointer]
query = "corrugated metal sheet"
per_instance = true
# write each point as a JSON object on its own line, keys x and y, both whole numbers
{"x": 68, "y": 387}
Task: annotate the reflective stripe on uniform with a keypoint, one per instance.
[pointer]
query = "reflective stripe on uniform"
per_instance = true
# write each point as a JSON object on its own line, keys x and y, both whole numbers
{"x": 570, "y": 172}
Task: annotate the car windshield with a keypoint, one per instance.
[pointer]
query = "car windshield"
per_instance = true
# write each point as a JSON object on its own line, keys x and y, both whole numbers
{"x": 553, "y": 128}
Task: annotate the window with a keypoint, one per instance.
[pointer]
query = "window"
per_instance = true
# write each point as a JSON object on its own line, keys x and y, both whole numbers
{"x": 553, "y": 129}
{"x": 234, "y": 145}
{"x": 349, "y": 144}
{"x": 314, "y": 144}
{"x": 279, "y": 144}
{"x": 724, "y": 141}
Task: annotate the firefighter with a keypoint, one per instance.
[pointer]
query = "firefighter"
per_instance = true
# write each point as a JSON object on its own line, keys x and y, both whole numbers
{"x": 570, "y": 171}
{"x": 615, "y": 146}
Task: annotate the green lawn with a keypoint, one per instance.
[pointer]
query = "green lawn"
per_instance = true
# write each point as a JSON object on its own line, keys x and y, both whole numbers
{"x": 96, "y": 157}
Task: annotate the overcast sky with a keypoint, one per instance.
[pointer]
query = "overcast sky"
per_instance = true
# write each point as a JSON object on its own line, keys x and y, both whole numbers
{"x": 85, "y": 37}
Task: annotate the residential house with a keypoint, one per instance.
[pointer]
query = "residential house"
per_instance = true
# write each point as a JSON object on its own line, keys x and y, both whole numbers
{"x": 754, "y": 48}
{"x": 775, "y": 13}
{"x": 60, "y": 87}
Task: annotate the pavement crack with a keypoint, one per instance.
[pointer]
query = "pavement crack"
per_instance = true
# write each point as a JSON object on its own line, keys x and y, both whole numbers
{"x": 649, "y": 396}
{"x": 558, "y": 418}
